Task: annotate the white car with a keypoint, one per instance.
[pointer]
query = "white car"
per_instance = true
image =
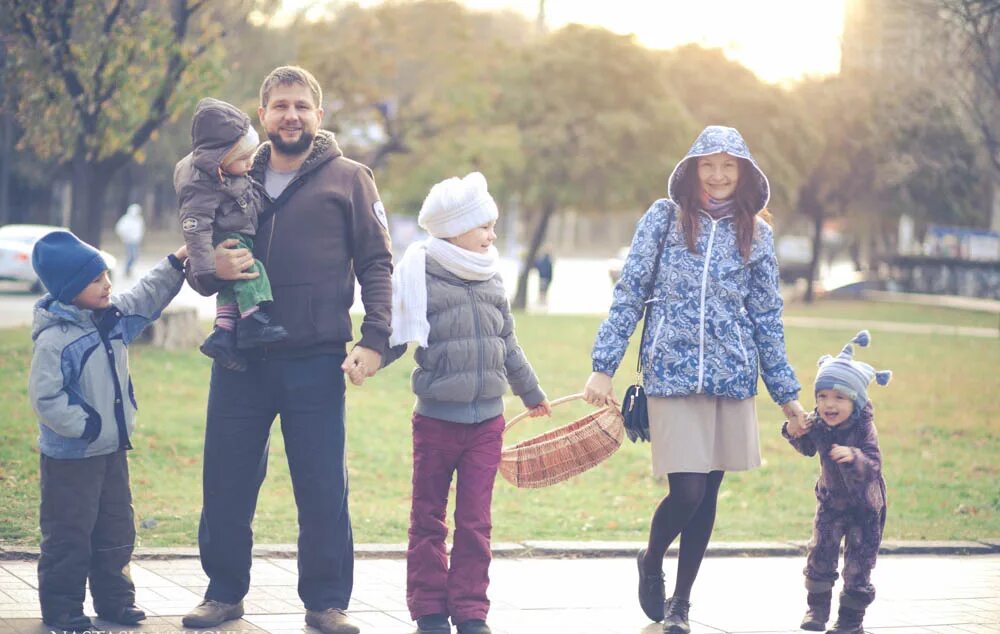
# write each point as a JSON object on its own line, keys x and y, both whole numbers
{"x": 16, "y": 244}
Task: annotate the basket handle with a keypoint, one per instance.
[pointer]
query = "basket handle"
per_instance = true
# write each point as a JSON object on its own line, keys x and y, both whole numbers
{"x": 524, "y": 414}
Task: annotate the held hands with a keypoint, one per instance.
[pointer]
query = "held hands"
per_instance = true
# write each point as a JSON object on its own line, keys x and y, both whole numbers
{"x": 231, "y": 263}
{"x": 599, "y": 390}
{"x": 799, "y": 428}
{"x": 542, "y": 409}
{"x": 361, "y": 363}
{"x": 842, "y": 455}
{"x": 798, "y": 419}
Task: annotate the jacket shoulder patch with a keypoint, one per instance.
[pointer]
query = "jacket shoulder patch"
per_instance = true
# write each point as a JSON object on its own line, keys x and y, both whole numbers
{"x": 379, "y": 210}
{"x": 189, "y": 224}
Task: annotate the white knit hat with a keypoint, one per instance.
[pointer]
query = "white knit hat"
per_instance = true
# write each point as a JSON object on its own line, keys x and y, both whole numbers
{"x": 456, "y": 205}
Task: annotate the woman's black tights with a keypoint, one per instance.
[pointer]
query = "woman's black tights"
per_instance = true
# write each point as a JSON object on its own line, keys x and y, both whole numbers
{"x": 688, "y": 511}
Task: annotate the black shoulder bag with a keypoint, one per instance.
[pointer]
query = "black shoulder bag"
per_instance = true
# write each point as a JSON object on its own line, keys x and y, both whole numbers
{"x": 634, "y": 404}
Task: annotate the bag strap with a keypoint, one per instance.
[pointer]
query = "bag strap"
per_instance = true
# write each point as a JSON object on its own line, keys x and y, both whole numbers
{"x": 652, "y": 287}
{"x": 282, "y": 198}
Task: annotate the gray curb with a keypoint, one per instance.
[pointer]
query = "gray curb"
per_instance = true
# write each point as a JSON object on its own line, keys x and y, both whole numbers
{"x": 568, "y": 550}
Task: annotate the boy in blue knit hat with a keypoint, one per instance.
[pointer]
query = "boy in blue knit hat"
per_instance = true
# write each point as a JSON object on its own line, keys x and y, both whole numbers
{"x": 81, "y": 391}
{"x": 850, "y": 490}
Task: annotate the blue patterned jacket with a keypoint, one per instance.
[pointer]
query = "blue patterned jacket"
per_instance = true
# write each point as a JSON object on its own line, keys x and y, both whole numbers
{"x": 714, "y": 319}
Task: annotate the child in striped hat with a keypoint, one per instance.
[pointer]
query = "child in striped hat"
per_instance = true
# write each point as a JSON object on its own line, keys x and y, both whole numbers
{"x": 850, "y": 489}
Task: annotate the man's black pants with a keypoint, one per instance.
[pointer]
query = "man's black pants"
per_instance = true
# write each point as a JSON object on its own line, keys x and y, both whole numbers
{"x": 308, "y": 394}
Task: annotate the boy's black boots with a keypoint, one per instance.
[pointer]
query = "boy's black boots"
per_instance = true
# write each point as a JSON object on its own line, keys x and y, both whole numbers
{"x": 75, "y": 621}
{"x": 258, "y": 330}
{"x": 848, "y": 621}
{"x": 819, "y": 611}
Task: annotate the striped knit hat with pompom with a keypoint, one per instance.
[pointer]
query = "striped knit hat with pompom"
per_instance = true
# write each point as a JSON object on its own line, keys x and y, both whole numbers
{"x": 844, "y": 374}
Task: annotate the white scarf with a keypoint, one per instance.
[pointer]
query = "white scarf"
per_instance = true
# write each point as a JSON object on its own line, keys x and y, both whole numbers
{"x": 409, "y": 283}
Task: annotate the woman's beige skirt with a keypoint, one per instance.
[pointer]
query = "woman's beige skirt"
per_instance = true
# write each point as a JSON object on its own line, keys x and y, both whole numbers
{"x": 701, "y": 433}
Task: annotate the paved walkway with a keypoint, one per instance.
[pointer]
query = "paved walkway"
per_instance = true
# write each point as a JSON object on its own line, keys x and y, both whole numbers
{"x": 917, "y": 594}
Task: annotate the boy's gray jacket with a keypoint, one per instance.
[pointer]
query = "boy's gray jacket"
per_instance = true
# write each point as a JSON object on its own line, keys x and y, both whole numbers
{"x": 79, "y": 383}
{"x": 209, "y": 207}
{"x": 472, "y": 352}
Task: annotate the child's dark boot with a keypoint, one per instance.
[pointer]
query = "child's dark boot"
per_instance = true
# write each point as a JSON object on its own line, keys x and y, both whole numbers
{"x": 221, "y": 346}
{"x": 675, "y": 616}
{"x": 819, "y": 611}
{"x": 848, "y": 621}
{"x": 474, "y": 626}
{"x": 74, "y": 621}
{"x": 433, "y": 624}
{"x": 651, "y": 591}
{"x": 125, "y": 615}
{"x": 258, "y": 330}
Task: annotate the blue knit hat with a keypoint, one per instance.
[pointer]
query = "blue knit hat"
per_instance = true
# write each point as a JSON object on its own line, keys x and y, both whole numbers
{"x": 844, "y": 374}
{"x": 66, "y": 264}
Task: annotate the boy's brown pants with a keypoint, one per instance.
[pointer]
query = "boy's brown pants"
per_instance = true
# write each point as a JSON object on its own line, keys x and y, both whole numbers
{"x": 88, "y": 532}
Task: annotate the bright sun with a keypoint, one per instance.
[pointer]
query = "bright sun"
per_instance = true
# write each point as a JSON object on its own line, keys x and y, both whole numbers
{"x": 779, "y": 40}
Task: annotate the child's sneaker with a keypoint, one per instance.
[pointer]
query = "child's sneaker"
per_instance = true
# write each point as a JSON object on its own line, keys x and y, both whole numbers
{"x": 474, "y": 626}
{"x": 258, "y": 330}
{"x": 819, "y": 611}
{"x": 221, "y": 346}
{"x": 433, "y": 624}
{"x": 675, "y": 616}
{"x": 125, "y": 615}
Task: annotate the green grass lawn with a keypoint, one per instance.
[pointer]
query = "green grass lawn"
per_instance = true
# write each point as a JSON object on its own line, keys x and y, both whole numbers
{"x": 938, "y": 426}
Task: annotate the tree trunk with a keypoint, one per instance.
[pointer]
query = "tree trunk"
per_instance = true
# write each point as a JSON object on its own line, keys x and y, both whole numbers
{"x": 90, "y": 183}
{"x": 537, "y": 238}
{"x": 817, "y": 248}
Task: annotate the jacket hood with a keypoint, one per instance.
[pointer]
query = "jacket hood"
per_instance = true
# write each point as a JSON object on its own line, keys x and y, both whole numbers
{"x": 715, "y": 139}
{"x": 324, "y": 148}
{"x": 215, "y": 128}
{"x": 49, "y": 313}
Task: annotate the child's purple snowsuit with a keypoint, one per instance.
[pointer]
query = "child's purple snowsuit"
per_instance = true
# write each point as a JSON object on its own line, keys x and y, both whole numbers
{"x": 851, "y": 503}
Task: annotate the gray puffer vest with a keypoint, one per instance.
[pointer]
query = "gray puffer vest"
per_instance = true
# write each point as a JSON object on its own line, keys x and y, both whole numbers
{"x": 472, "y": 353}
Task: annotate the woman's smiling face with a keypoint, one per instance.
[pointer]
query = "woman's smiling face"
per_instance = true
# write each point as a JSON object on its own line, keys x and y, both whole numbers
{"x": 718, "y": 174}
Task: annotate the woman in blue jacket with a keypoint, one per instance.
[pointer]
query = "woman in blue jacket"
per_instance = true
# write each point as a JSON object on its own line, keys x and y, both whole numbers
{"x": 714, "y": 321}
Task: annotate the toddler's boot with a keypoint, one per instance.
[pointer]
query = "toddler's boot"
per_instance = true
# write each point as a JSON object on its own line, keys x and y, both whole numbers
{"x": 257, "y": 330}
{"x": 819, "y": 611}
{"x": 848, "y": 621}
{"x": 221, "y": 346}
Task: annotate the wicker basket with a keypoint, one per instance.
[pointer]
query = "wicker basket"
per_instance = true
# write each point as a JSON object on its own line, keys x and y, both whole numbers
{"x": 564, "y": 452}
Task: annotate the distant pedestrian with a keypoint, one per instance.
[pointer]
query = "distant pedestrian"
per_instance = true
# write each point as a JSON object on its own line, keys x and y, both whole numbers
{"x": 544, "y": 267}
{"x": 81, "y": 391}
{"x": 448, "y": 298}
{"x": 714, "y": 326}
{"x": 130, "y": 229}
{"x": 850, "y": 491}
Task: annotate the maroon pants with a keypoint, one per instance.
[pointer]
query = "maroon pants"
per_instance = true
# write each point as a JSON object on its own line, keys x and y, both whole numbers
{"x": 441, "y": 448}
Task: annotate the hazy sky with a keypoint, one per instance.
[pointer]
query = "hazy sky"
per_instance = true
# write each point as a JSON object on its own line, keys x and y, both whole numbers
{"x": 780, "y": 40}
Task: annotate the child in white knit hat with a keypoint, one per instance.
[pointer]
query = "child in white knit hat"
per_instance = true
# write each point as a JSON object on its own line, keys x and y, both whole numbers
{"x": 448, "y": 298}
{"x": 219, "y": 202}
{"x": 850, "y": 491}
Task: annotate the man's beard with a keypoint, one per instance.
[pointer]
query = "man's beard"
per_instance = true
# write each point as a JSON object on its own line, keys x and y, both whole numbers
{"x": 295, "y": 147}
